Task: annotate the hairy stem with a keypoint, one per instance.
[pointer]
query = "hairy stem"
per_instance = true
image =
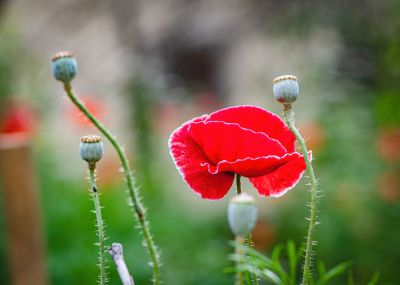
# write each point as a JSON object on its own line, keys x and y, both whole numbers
{"x": 100, "y": 226}
{"x": 254, "y": 278}
{"x": 288, "y": 116}
{"x": 133, "y": 190}
{"x": 239, "y": 240}
{"x": 239, "y": 274}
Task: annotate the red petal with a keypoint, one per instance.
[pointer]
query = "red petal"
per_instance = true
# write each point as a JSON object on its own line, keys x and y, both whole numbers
{"x": 247, "y": 140}
{"x": 253, "y": 167}
{"x": 221, "y": 141}
{"x": 282, "y": 179}
{"x": 189, "y": 160}
{"x": 258, "y": 120}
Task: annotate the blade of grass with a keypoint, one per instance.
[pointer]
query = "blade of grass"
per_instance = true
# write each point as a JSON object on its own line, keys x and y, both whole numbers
{"x": 321, "y": 269}
{"x": 350, "y": 279}
{"x": 292, "y": 259}
{"x": 276, "y": 265}
{"x": 374, "y": 279}
{"x": 334, "y": 272}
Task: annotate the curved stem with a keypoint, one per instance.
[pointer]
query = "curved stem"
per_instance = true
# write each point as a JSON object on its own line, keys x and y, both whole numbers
{"x": 313, "y": 189}
{"x": 131, "y": 184}
{"x": 100, "y": 226}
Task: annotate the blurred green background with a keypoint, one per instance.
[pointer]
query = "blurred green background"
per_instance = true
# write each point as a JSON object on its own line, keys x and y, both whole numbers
{"x": 148, "y": 66}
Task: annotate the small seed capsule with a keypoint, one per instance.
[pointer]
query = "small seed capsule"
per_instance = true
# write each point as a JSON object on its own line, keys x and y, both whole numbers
{"x": 242, "y": 214}
{"x": 286, "y": 89}
{"x": 91, "y": 148}
{"x": 64, "y": 66}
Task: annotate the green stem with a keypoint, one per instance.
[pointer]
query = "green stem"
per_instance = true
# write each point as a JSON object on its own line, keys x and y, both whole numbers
{"x": 131, "y": 184}
{"x": 288, "y": 116}
{"x": 254, "y": 278}
{"x": 239, "y": 279}
{"x": 239, "y": 274}
{"x": 238, "y": 184}
{"x": 100, "y": 226}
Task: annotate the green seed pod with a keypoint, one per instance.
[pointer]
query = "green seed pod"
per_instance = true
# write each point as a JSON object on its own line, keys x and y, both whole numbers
{"x": 64, "y": 66}
{"x": 286, "y": 89}
{"x": 91, "y": 148}
{"x": 242, "y": 214}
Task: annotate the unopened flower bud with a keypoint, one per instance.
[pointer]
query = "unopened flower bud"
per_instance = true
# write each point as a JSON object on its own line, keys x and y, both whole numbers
{"x": 91, "y": 149}
{"x": 286, "y": 89}
{"x": 64, "y": 66}
{"x": 242, "y": 214}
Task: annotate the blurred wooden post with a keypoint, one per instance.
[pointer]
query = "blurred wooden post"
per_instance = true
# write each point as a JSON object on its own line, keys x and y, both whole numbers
{"x": 22, "y": 212}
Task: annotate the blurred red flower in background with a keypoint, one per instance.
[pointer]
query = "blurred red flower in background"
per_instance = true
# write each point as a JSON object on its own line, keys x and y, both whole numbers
{"x": 93, "y": 104}
{"x": 245, "y": 140}
{"x": 314, "y": 135}
{"x": 18, "y": 118}
{"x": 263, "y": 235}
{"x": 388, "y": 143}
{"x": 389, "y": 186}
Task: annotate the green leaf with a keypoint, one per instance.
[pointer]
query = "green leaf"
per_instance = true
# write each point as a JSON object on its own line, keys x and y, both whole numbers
{"x": 374, "y": 279}
{"x": 292, "y": 259}
{"x": 311, "y": 280}
{"x": 248, "y": 279}
{"x": 351, "y": 278}
{"x": 334, "y": 272}
{"x": 321, "y": 269}
{"x": 276, "y": 252}
{"x": 230, "y": 269}
{"x": 266, "y": 274}
{"x": 252, "y": 252}
{"x": 276, "y": 264}
{"x": 270, "y": 275}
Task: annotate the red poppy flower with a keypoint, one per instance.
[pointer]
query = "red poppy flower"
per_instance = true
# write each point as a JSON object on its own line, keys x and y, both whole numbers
{"x": 93, "y": 104}
{"x": 18, "y": 119}
{"x": 245, "y": 140}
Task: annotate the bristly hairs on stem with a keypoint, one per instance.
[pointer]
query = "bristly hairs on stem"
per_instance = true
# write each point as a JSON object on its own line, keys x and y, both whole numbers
{"x": 99, "y": 225}
{"x": 288, "y": 117}
{"x": 91, "y": 150}
{"x": 242, "y": 216}
{"x": 64, "y": 69}
{"x": 286, "y": 91}
{"x": 133, "y": 190}
{"x": 250, "y": 244}
{"x": 239, "y": 278}
{"x": 239, "y": 275}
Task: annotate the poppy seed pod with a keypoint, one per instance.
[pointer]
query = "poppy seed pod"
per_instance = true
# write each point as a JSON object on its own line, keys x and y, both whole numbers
{"x": 286, "y": 89}
{"x": 64, "y": 66}
{"x": 242, "y": 214}
{"x": 91, "y": 148}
